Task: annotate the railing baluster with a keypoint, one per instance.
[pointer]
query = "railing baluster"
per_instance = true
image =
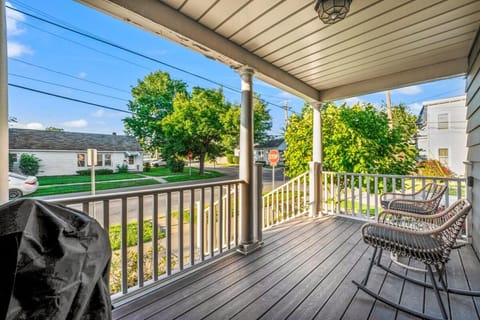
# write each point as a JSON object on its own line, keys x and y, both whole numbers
{"x": 106, "y": 215}
{"x": 352, "y": 187}
{"x": 360, "y": 193}
{"x": 375, "y": 186}
{"x": 169, "y": 233}
{"x": 299, "y": 205}
{"x": 155, "y": 237}
{"x": 211, "y": 222}
{"x": 180, "y": 230}
{"x": 229, "y": 216}
{"x": 140, "y": 241}
{"x": 235, "y": 198}
{"x": 201, "y": 224}
{"x": 220, "y": 220}
{"x": 192, "y": 226}
{"x": 123, "y": 223}
{"x": 345, "y": 190}
{"x": 86, "y": 207}
{"x": 368, "y": 177}
{"x": 447, "y": 194}
{"x": 288, "y": 201}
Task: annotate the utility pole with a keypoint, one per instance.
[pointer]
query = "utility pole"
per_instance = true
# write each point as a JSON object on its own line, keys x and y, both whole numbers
{"x": 285, "y": 107}
{"x": 389, "y": 110}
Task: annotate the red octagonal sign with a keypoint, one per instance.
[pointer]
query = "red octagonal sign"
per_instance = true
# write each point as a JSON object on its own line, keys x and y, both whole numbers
{"x": 273, "y": 157}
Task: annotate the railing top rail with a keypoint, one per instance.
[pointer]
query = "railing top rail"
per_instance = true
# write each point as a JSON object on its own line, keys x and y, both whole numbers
{"x": 288, "y": 182}
{"x": 128, "y": 194}
{"x": 395, "y": 176}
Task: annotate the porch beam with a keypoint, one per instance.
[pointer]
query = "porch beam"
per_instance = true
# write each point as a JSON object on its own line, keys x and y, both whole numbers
{"x": 3, "y": 107}
{"x": 248, "y": 243}
{"x": 443, "y": 70}
{"x": 159, "y": 18}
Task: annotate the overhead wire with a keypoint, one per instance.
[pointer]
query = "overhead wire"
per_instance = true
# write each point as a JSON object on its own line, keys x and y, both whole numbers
{"x": 123, "y": 48}
{"x": 69, "y": 98}
{"x": 67, "y": 87}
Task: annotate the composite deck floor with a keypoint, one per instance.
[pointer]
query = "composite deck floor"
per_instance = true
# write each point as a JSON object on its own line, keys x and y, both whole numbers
{"x": 304, "y": 271}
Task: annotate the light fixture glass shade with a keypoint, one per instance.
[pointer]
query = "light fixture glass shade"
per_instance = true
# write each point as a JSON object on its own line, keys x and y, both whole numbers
{"x": 332, "y": 11}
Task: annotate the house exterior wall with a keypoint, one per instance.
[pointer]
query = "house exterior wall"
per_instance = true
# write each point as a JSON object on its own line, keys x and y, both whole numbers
{"x": 452, "y": 137}
{"x": 473, "y": 139}
{"x": 261, "y": 154}
{"x": 65, "y": 162}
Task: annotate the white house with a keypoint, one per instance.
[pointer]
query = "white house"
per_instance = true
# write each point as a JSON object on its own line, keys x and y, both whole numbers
{"x": 442, "y": 135}
{"x": 64, "y": 153}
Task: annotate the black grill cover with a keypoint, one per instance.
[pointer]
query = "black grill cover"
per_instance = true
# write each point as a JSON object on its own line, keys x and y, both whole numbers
{"x": 54, "y": 263}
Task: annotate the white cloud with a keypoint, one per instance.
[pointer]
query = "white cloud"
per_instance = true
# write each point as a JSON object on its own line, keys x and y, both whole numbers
{"x": 99, "y": 113}
{"x": 80, "y": 123}
{"x": 352, "y": 101}
{"x": 412, "y": 90}
{"x": 15, "y": 49}
{"x": 415, "y": 107}
{"x": 82, "y": 75}
{"x": 285, "y": 94}
{"x": 30, "y": 125}
{"x": 12, "y": 19}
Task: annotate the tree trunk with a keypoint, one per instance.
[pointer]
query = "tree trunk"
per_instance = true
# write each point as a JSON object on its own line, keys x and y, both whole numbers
{"x": 202, "y": 163}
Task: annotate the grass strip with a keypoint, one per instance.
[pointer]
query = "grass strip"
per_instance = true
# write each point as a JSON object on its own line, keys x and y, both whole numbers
{"x": 51, "y": 180}
{"x": 86, "y": 187}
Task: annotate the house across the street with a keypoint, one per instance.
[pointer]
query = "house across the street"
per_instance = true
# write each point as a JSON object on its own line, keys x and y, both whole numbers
{"x": 442, "y": 132}
{"x": 262, "y": 150}
{"x": 64, "y": 153}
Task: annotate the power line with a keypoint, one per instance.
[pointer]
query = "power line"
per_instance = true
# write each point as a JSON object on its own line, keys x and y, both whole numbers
{"x": 69, "y": 99}
{"x": 120, "y": 47}
{"x": 68, "y": 75}
{"x": 67, "y": 87}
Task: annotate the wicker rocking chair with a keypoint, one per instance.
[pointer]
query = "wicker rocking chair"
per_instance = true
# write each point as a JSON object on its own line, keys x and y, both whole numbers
{"x": 427, "y": 239}
{"x": 424, "y": 201}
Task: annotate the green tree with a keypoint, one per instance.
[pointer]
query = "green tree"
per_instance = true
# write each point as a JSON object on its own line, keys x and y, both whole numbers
{"x": 195, "y": 125}
{"x": 29, "y": 164}
{"x": 152, "y": 101}
{"x": 262, "y": 122}
{"x": 54, "y": 129}
{"x": 355, "y": 139}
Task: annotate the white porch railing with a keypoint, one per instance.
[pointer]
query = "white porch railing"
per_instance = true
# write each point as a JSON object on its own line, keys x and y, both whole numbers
{"x": 350, "y": 195}
{"x": 287, "y": 201}
{"x": 153, "y": 232}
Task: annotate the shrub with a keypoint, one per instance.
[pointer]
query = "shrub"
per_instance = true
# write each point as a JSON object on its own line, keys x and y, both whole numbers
{"x": 115, "y": 233}
{"x": 122, "y": 169}
{"x": 29, "y": 164}
{"x": 147, "y": 166}
{"x": 88, "y": 172}
{"x": 232, "y": 159}
{"x": 176, "y": 165}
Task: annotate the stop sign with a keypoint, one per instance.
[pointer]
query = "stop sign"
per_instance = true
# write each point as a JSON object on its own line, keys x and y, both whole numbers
{"x": 190, "y": 155}
{"x": 273, "y": 157}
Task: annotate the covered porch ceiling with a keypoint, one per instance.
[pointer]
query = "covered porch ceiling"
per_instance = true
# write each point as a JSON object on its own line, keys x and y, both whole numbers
{"x": 380, "y": 45}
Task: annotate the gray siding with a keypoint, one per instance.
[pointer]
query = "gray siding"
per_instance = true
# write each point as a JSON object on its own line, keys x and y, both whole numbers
{"x": 473, "y": 131}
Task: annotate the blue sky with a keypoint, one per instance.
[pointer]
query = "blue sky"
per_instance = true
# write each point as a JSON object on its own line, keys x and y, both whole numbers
{"x": 34, "y": 46}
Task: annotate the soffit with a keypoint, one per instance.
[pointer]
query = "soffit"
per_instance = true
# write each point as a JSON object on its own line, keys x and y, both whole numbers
{"x": 380, "y": 45}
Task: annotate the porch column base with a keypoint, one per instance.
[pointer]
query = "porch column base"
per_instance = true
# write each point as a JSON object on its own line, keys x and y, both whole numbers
{"x": 248, "y": 248}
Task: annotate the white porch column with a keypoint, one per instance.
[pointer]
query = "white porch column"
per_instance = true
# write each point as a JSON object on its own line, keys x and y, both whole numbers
{"x": 3, "y": 107}
{"x": 316, "y": 164}
{"x": 247, "y": 190}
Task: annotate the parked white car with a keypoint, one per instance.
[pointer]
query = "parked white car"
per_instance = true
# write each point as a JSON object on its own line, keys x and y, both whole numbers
{"x": 20, "y": 185}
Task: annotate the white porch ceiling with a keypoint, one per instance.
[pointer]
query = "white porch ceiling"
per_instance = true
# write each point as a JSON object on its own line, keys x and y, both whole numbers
{"x": 380, "y": 45}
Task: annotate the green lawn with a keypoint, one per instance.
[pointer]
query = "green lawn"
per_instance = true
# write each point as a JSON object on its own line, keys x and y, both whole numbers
{"x": 194, "y": 176}
{"x": 163, "y": 171}
{"x": 45, "y": 191}
{"x": 50, "y": 180}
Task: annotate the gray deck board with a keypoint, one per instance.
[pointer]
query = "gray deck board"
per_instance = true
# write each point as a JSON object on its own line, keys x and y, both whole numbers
{"x": 304, "y": 271}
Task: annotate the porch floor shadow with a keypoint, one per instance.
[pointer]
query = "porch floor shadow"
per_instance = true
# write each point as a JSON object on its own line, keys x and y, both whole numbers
{"x": 305, "y": 271}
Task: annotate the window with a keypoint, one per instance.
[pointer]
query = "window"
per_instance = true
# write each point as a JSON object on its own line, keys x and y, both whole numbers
{"x": 443, "y": 156}
{"x": 13, "y": 157}
{"x": 80, "y": 159}
{"x": 108, "y": 160}
{"x": 131, "y": 160}
{"x": 443, "y": 121}
{"x": 99, "y": 159}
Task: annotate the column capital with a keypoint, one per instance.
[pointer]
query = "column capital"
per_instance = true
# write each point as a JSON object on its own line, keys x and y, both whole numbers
{"x": 316, "y": 104}
{"x": 245, "y": 71}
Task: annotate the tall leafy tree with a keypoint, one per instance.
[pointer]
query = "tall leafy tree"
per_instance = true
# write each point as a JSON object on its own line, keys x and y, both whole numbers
{"x": 195, "y": 125}
{"x": 152, "y": 101}
{"x": 262, "y": 123}
{"x": 355, "y": 139}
